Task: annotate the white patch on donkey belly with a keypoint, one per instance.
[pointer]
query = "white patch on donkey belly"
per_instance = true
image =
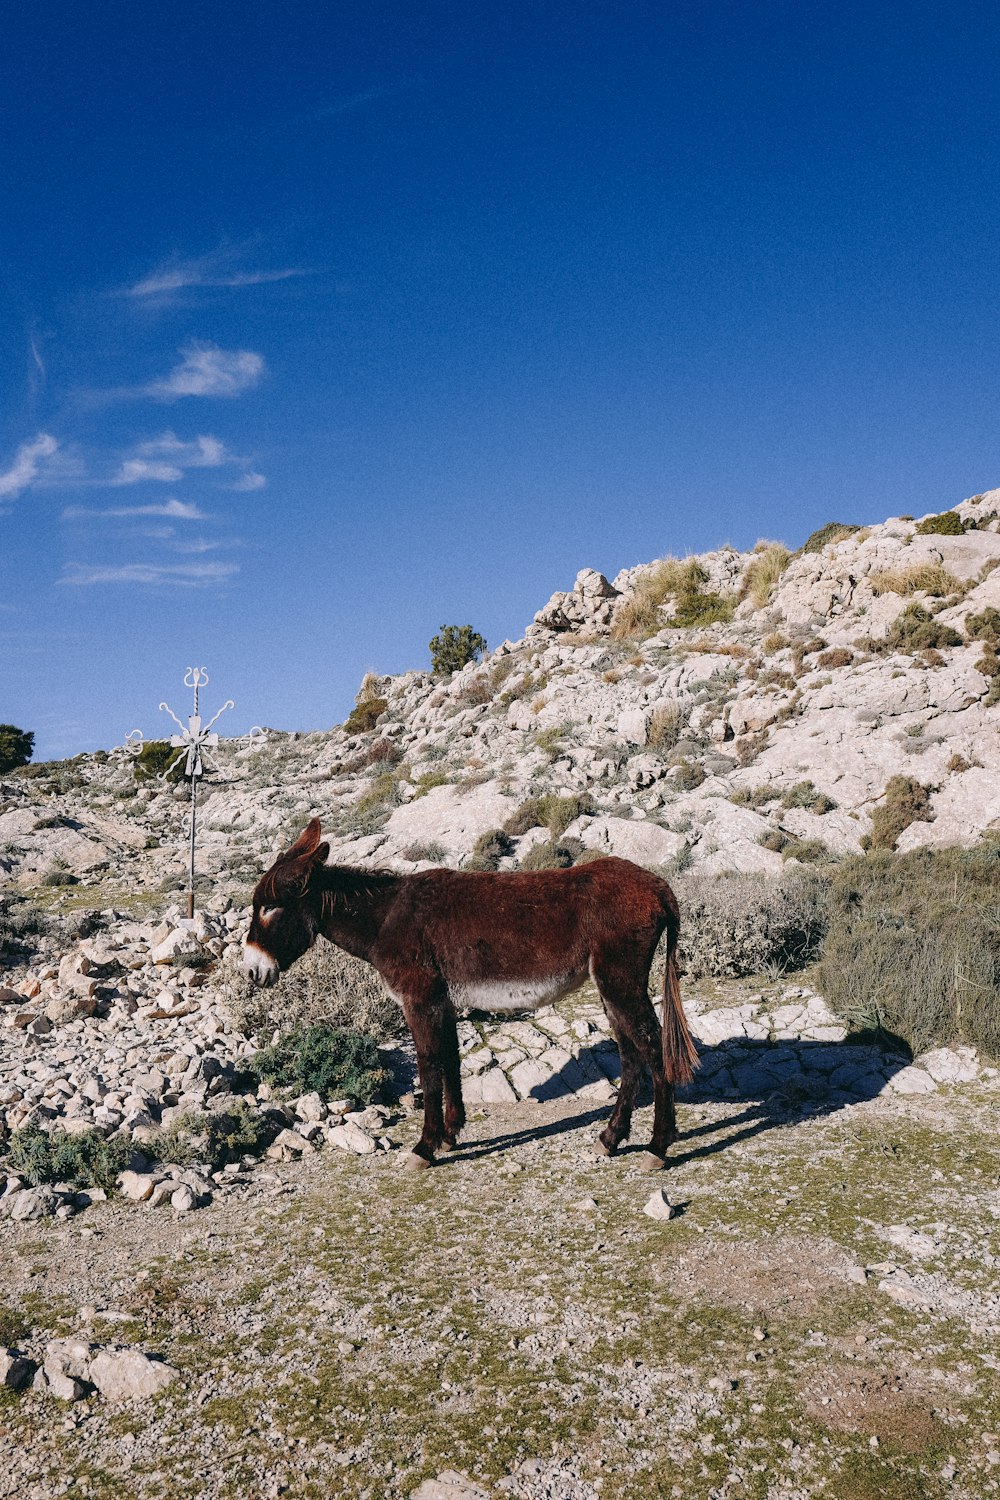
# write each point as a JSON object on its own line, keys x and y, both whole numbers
{"x": 513, "y": 994}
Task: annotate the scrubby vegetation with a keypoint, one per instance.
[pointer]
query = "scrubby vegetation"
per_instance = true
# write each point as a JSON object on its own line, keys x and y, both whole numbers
{"x": 948, "y": 523}
{"x": 740, "y": 924}
{"x": 676, "y": 581}
{"x": 827, "y": 536}
{"x": 552, "y": 812}
{"x": 913, "y": 630}
{"x": 553, "y": 855}
{"x": 365, "y": 715}
{"x": 85, "y": 1160}
{"x": 913, "y": 947}
{"x": 20, "y": 920}
{"x": 327, "y": 986}
{"x": 215, "y": 1139}
{"x": 489, "y": 849}
{"x": 454, "y": 647}
{"x": 905, "y": 801}
{"x": 337, "y": 1062}
{"x": 155, "y": 761}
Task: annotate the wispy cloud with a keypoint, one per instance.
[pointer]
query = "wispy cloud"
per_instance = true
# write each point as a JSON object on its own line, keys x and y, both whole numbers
{"x": 249, "y": 482}
{"x": 175, "y": 510}
{"x": 207, "y": 370}
{"x": 365, "y": 96}
{"x": 29, "y": 460}
{"x": 178, "y": 575}
{"x": 217, "y": 269}
{"x": 164, "y": 459}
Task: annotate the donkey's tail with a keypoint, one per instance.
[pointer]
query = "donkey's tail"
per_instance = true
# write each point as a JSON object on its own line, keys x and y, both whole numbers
{"x": 680, "y": 1056}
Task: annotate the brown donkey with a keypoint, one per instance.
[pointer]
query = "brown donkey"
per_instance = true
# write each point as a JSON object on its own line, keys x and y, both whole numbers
{"x": 446, "y": 940}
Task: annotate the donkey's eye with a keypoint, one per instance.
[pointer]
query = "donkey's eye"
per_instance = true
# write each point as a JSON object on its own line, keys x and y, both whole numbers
{"x": 268, "y": 913}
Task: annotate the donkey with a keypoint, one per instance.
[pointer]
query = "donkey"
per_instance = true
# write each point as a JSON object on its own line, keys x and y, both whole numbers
{"x": 447, "y": 940}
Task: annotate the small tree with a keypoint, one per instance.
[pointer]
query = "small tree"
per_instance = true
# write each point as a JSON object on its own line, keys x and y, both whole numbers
{"x": 155, "y": 757}
{"x": 16, "y": 746}
{"x": 454, "y": 648}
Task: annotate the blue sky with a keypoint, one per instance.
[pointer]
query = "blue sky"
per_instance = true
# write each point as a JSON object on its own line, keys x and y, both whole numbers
{"x": 324, "y": 324}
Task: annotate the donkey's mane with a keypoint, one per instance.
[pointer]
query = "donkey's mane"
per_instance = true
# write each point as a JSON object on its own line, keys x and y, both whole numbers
{"x": 347, "y": 887}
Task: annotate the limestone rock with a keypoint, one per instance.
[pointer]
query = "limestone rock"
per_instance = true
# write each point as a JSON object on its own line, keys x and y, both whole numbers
{"x": 129, "y": 1375}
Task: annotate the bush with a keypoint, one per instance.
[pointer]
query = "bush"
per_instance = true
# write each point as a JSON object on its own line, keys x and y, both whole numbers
{"x": 326, "y": 985}
{"x": 365, "y": 715}
{"x": 763, "y": 571}
{"x": 214, "y": 1139}
{"x": 948, "y": 523}
{"x": 689, "y": 774}
{"x": 828, "y": 536}
{"x": 913, "y": 947}
{"x": 334, "y": 1061}
{"x": 19, "y": 920}
{"x": 639, "y": 614}
{"x": 155, "y": 759}
{"x": 433, "y": 851}
{"x": 85, "y": 1160}
{"x": 489, "y": 849}
{"x": 552, "y": 812}
{"x": 454, "y": 647}
{"x": 16, "y": 746}
{"x": 914, "y": 629}
{"x": 906, "y": 802}
{"x": 808, "y": 851}
{"x": 837, "y": 656}
{"x": 753, "y": 796}
{"x": 736, "y": 925}
{"x": 549, "y": 856}
{"x": 984, "y": 627}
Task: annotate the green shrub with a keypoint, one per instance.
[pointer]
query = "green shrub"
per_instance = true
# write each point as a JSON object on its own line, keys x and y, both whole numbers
{"x": 802, "y": 794}
{"x": 914, "y": 629}
{"x": 773, "y": 839}
{"x": 60, "y": 877}
{"x": 433, "y": 851}
{"x": 365, "y": 715}
{"x": 489, "y": 849}
{"x": 551, "y": 811}
{"x": 827, "y": 536}
{"x": 697, "y": 609}
{"x": 639, "y": 616}
{"x": 913, "y": 947}
{"x": 16, "y": 746}
{"x": 807, "y": 851}
{"x": 85, "y": 1160}
{"x": 735, "y": 925}
{"x": 214, "y": 1139}
{"x": 334, "y": 1061}
{"x": 20, "y": 920}
{"x": 905, "y": 802}
{"x": 154, "y": 761}
{"x": 454, "y": 647}
{"x": 326, "y": 985}
{"x": 948, "y": 523}
{"x": 552, "y": 855}
{"x": 984, "y": 626}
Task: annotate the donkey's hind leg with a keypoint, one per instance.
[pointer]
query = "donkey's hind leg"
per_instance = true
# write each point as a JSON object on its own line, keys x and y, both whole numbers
{"x": 454, "y": 1110}
{"x": 637, "y": 1032}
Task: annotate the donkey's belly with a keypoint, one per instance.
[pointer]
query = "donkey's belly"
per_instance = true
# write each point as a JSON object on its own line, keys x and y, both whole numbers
{"x": 513, "y": 994}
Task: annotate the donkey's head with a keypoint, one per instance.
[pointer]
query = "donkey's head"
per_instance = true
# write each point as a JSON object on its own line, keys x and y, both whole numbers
{"x": 286, "y": 909}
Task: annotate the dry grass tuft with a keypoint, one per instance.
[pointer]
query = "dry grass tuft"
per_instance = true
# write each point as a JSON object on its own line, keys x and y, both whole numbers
{"x": 922, "y": 578}
{"x": 762, "y": 574}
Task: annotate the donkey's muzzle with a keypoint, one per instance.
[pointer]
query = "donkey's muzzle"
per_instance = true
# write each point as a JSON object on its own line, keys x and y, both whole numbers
{"x": 259, "y": 966}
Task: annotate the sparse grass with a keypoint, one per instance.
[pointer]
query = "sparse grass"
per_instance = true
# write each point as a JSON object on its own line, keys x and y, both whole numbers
{"x": 763, "y": 572}
{"x": 689, "y": 774}
{"x": 774, "y": 642}
{"x": 666, "y": 726}
{"x": 754, "y": 796}
{"x": 913, "y": 947}
{"x": 921, "y": 578}
{"x": 639, "y": 615}
{"x": 432, "y": 851}
{"x": 805, "y": 795}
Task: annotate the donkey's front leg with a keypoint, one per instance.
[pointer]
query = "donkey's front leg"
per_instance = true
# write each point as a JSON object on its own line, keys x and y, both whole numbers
{"x": 426, "y": 1007}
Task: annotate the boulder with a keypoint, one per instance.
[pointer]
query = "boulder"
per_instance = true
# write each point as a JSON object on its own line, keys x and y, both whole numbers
{"x": 129, "y": 1375}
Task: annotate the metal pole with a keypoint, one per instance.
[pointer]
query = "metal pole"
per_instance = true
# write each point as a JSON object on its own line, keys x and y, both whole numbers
{"x": 194, "y": 804}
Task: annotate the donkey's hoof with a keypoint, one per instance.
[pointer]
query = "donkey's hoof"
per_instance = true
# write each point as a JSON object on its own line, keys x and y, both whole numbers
{"x": 650, "y": 1162}
{"x": 448, "y": 1146}
{"x": 414, "y": 1162}
{"x": 601, "y": 1148}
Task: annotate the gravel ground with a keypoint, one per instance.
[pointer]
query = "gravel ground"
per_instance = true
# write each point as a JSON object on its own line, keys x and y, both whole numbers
{"x": 819, "y": 1318}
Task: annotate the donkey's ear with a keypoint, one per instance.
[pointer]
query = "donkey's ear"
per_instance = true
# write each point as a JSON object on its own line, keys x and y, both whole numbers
{"x": 307, "y": 842}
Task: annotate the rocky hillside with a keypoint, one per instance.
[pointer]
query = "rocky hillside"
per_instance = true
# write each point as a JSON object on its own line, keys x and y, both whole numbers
{"x": 730, "y": 712}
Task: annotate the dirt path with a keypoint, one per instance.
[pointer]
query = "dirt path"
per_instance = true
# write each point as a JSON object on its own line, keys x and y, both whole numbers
{"x": 822, "y": 1318}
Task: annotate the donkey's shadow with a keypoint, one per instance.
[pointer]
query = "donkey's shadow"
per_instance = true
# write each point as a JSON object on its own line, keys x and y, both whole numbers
{"x": 775, "y": 1083}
